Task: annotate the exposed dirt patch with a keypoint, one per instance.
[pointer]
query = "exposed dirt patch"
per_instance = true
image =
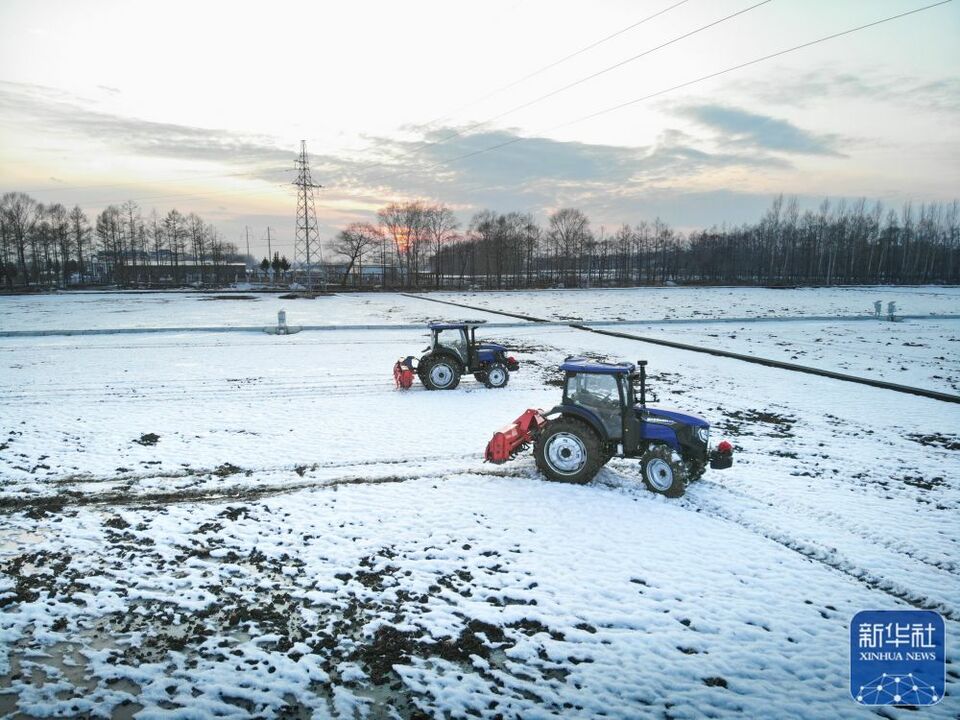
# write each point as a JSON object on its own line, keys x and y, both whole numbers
{"x": 942, "y": 440}
{"x": 227, "y": 469}
{"x": 737, "y": 422}
{"x": 922, "y": 482}
{"x": 148, "y": 439}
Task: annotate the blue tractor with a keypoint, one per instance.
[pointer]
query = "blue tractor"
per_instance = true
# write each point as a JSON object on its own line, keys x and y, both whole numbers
{"x": 453, "y": 352}
{"x": 604, "y": 414}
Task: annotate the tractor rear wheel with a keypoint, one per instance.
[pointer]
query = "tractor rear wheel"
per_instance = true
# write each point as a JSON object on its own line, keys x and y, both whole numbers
{"x": 663, "y": 471}
{"x": 568, "y": 450}
{"x": 496, "y": 376}
{"x": 441, "y": 374}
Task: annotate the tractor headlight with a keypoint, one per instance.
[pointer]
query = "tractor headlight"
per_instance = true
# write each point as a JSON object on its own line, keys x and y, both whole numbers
{"x": 704, "y": 435}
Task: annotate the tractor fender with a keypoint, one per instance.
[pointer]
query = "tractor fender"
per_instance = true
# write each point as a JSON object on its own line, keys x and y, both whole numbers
{"x": 655, "y": 433}
{"x": 452, "y": 356}
{"x": 582, "y": 414}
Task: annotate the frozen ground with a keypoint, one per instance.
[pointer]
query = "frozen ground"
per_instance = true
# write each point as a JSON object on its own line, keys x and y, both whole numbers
{"x": 246, "y": 525}
{"x": 638, "y": 304}
{"x": 920, "y": 353}
{"x": 99, "y": 310}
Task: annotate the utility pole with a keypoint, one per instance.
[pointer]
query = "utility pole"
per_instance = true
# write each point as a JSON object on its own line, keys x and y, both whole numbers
{"x": 270, "y": 269}
{"x": 246, "y": 230}
{"x": 306, "y": 247}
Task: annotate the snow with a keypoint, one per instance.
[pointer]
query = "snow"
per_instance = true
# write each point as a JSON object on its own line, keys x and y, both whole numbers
{"x": 919, "y": 353}
{"x": 304, "y": 540}
{"x": 678, "y": 303}
{"x": 109, "y": 310}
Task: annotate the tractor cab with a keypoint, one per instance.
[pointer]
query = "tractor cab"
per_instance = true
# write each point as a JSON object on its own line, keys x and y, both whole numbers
{"x": 457, "y": 338}
{"x": 612, "y": 398}
{"x": 599, "y": 389}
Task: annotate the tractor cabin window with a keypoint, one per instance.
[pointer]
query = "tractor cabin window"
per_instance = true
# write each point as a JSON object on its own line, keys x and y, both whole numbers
{"x": 600, "y": 393}
{"x": 453, "y": 340}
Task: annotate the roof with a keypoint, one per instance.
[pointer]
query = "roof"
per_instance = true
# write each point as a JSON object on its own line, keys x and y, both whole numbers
{"x": 585, "y": 365}
{"x": 454, "y": 324}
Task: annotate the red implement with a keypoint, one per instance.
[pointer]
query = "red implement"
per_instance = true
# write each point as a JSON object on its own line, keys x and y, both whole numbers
{"x": 402, "y": 375}
{"x": 509, "y": 440}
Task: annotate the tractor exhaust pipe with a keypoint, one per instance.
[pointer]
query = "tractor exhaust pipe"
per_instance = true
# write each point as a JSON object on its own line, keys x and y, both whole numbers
{"x": 643, "y": 382}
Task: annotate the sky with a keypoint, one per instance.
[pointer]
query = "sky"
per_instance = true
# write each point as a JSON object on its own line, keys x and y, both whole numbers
{"x": 201, "y": 106}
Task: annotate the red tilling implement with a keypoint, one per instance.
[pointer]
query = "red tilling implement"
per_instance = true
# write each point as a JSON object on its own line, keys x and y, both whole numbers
{"x": 403, "y": 374}
{"x": 511, "y": 439}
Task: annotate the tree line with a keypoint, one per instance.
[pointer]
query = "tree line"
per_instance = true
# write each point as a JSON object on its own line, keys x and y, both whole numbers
{"x": 48, "y": 246}
{"x": 422, "y": 245}
{"x": 419, "y": 245}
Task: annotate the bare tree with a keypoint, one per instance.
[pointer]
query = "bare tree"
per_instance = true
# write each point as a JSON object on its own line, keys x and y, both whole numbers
{"x": 441, "y": 227}
{"x": 20, "y": 213}
{"x": 79, "y": 236}
{"x": 198, "y": 240}
{"x": 60, "y": 233}
{"x": 353, "y": 242}
{"x": 569, "y": 230}
{"x": 174, "y": 229}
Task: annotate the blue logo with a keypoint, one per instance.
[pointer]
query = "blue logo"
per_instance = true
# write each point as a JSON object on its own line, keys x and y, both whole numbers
{"x": 897, "y": 657}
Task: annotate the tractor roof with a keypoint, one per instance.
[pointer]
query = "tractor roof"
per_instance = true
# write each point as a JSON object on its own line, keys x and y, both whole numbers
{"x": 585, "y": 365}
{"x": 454, "y": 324}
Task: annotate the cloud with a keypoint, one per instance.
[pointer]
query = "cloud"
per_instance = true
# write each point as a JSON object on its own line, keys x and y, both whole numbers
{"x": 938, "y": 94}
{"x": 746, "y": 129}
{"x": 55, "y": 111}
{"x": 530, "y": 174}
{"x": 519, "y": 164}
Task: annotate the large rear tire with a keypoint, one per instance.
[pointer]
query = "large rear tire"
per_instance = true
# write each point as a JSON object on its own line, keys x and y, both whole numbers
{"x": 663, "y": 471}
{"x": 568, "y": 450}
{"x": 441, "y": 374}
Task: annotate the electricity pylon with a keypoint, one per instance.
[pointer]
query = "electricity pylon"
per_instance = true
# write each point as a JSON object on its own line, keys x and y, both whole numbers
{"x": 307, "y": 252}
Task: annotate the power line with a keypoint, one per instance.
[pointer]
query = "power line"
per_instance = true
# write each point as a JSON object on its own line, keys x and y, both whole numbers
{"x": 688, "y": 83}
{"x": 553, "y": 64}
{"x": 427, "y": 144}
{"x": 596, "y": 74}
{"x": 582, "y": 80}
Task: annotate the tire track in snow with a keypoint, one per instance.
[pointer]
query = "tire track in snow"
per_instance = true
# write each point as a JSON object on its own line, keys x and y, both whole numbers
{"x": 835, "y": 520}
{"x": 56, "y": 503}
{"x": 827, "y": 557}
{"x": 292, "y": 467}
{"x": 127, "y": 495}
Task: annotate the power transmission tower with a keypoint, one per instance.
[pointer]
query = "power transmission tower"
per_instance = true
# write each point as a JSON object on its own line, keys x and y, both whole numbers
{"x": 307, "y": 252}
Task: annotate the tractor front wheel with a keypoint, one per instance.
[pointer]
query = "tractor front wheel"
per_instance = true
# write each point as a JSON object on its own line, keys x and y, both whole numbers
{"x": 496, "y": 376}
{"x": 568, "y": 450}
{"x": 441, "y": 374}
{"x": 663, "y": 471}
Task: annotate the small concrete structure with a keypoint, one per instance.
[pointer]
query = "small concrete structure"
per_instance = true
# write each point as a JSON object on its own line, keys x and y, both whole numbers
{"x": 282, "y": 328}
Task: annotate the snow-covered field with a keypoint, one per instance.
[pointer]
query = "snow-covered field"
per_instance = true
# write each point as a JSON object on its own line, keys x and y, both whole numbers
{"x": 105, "y": 310}
{"x": 245, "y": 525}
{"x": 672, "y": 303}
{"x": 920, "y": 353}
